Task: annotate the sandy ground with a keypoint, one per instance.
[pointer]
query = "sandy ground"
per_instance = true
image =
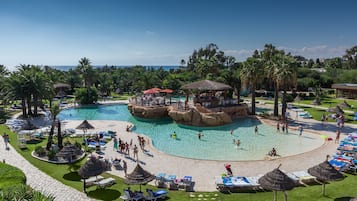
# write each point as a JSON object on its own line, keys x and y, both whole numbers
{"x": 204, "y": 171}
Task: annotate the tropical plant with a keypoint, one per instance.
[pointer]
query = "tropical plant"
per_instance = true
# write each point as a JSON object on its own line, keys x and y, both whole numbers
{"x": 86, "y": 70}
{"x": 86, "y": 95}
{"x": 23, "y": 192}
{"x": 251, "y": 73}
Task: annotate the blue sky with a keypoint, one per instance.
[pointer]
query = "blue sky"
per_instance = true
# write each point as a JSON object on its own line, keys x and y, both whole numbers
{"x": 162, "y": 32}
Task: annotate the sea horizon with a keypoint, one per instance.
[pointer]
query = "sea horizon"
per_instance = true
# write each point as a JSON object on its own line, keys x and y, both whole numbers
{"x": 165, "y": 67}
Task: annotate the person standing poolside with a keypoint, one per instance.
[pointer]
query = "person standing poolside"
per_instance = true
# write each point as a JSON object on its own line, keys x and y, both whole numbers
{"x": 256, "y": 129}
{"x": 115, "y": 144}
{"x": 338, "y": 133}
{"x": 300, "y": 129}
{"x": 135, "y": 156}
{"x": 232, "y": 131}
{"x": 125, "y": 167}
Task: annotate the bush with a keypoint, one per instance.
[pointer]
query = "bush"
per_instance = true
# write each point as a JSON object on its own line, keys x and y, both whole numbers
{"x": 77, "y": 144}
{"x": 23, "y": 192}
{"x": 289, "y": 98}
{"x": 51, "y": 155}
{"x": 40, "y": 151}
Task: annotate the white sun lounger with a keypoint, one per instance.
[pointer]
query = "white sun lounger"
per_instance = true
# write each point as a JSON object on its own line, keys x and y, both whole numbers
{"x": 91, "y": 180}
{"x": 105, "y": 182}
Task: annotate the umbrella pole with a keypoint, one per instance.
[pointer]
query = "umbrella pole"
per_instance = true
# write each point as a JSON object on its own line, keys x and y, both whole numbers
{"x": 84, "y": 186}
{"x": 323, "y": 189}
{"x": 274, "y": 195}
{"x": 285, "y": 196}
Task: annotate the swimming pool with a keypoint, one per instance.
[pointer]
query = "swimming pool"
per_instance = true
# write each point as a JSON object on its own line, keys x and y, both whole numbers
{"x": 217, "y": 142}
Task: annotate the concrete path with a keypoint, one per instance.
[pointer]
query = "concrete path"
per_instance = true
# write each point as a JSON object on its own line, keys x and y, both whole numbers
{"x": 39, "y": 180}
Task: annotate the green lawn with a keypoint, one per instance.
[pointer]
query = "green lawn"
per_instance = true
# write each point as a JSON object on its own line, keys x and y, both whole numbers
{"x": 68, "y": 175}
{"x": 10, "y": 176}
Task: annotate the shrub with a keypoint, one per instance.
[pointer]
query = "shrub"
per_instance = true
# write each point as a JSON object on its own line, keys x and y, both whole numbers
{"x": 289, "y": 98}
{"x": 40, "y": 151}
{"x": 51, "y": 155}
{"x": 77, "y": 144}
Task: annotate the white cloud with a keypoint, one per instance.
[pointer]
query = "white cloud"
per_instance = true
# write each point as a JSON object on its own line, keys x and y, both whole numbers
{"x": 320, "y": 51}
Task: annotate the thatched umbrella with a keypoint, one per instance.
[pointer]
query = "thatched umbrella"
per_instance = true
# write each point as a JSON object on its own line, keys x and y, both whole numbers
{"x": 85, "y": 125}
{"x": 68, "y": 151}
{"x": 277, "y": 180}
{"x": 139, "y": 176}
{"x": 344, "y": 104}
{"x": 336, "y": 109}
{"x": 93, "y": 167}
{"x": 325, "y": 172}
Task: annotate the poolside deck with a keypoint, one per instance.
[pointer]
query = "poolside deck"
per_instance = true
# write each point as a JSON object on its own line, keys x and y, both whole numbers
{"x": 204, "y": 171}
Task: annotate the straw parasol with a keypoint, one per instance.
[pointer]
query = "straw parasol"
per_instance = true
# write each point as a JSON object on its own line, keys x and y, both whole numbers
{"x": 336, "y": 109}
{"x": 68, "y": 151}
{"x": 277, "y": 180}
{"x": 325, "y": 172}
{"x": 344, "y": 104}
{"x": 206, "y": 85}
{"x": 93, "y": 167}
{"x": 85, "y": 125}
{"x": 139, "y": 176}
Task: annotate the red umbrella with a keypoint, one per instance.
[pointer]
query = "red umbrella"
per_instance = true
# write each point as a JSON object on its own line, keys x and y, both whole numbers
{"x": 169, "y": 91}
{"x": 151, "y": 91}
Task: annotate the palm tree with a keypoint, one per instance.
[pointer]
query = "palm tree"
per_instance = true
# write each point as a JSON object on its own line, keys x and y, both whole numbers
{"x": 251, "y": 73}
{"x": 87, "y": 71}
{"x": 285, "y": 76}
{"x": 271, "y": 67}
{"x": 14, "y": 90}
{"x": 55, "y": 110}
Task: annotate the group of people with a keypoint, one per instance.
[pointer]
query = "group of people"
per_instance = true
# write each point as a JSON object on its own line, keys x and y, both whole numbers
{"x": 283, "y": 125}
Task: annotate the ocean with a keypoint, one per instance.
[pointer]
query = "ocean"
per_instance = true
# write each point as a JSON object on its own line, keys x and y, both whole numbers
{"x": 165, "y": 67}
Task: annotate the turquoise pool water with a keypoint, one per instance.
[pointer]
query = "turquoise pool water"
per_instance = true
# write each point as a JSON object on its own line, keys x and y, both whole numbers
{"x": 217, "y": 142}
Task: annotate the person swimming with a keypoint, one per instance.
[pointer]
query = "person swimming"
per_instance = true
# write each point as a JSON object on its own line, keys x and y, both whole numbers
{"x": 174, "y": 135}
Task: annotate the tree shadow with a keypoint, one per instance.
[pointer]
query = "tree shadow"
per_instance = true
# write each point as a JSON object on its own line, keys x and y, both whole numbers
{"x": 72, "y": 176}
{"x": 104, "y": 194}
{"x": 343, "y": 199}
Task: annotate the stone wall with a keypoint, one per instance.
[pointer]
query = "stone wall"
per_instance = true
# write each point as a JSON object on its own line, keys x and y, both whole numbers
{"x": 196, "y": 116}
{"x": 155, "y": 112}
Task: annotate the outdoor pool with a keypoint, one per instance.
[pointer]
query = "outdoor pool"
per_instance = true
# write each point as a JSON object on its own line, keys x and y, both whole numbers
{"x": 217, "y": 142}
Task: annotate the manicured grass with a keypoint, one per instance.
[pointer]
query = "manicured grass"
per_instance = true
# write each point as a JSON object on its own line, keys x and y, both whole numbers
{"x": 68, "y": 175}
{"x": 332, "y": 102}
{"x": 10, "y": 176}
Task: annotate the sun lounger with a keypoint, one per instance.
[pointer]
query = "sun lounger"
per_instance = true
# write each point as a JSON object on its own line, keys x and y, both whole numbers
{"x": 91, "y": 180}
{"x": 304, "y": 177}
{"x": 155, "y": 195}
{"x": 131, "y": 196}
{"x": 105, "y": 182}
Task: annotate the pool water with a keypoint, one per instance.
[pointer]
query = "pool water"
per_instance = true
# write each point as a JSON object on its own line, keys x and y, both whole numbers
{"x": 216, "y": 142}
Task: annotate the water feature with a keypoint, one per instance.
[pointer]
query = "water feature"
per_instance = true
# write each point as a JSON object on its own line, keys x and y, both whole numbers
{"x": 216, "y": 142}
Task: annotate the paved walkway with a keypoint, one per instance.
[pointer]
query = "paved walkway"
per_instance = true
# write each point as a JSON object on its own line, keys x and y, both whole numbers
{"x": 39, "y": 180}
